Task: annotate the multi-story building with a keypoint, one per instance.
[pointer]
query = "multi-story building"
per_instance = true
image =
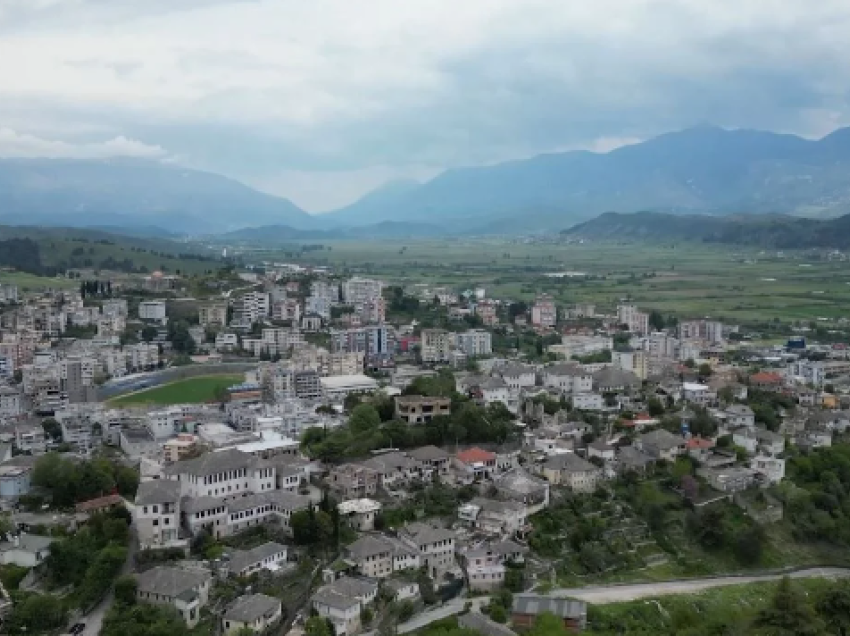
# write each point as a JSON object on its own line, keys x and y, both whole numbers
{"x": 436, "y": 547}
{"x": 152, "y": 310}
{"x": 186, "y": 590}
{"x": 709, "y": 330}
{"x": 419, "y": 409}
{"x": 157, "y": 519}
{"x": 357, "y": 291}
{"x": 213, "y": 315}
{"x": 345, "y": 363}
{"x": 570, "y": 378}
{"x": 544, "y": 312}
{"x": 143, "y": 355}
{"x": 436, "y": 345}
{"x": 252, "y": 307}
{"x": 635, "y": 320}
{"x": 487, "y": 311}
{"x": 372, "y": 340}
{"x": 11, "y": 404}
{"x": 631, "y": 360}
{"x": 475, "y": 343}
{"x": 8, "y": 293}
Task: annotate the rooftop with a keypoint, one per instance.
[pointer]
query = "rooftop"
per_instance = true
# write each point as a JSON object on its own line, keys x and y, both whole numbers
{"x": 474, "y": 455}
{"x": 241, "y": 559}
{"x": 248, "y": 609}
{"x": 158, "y": 491}
{"x": 570, "y": 463}
{"x": 359, "y": 506}
{"x": 428, "y": 453}
{"x": 171, "y": 581}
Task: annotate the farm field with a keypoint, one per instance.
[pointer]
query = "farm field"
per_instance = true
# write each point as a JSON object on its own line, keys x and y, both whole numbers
{"x": 692, "y": 281}
{"x": 31, "y": 282}
{"x": 189, "y": 391}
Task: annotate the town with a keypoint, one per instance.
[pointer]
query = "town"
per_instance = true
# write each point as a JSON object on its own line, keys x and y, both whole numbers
{"x": 285, "y": 449}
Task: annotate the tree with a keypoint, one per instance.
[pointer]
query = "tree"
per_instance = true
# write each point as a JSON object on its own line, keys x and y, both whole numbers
{"x": 149, "y": 333}
{"x": 142, "y": 619}
{"x": 317, "y": 626}
{"x": 405, "y": 611}
{"x": 834, "y": 608}
{"x": 498, "y": 614}
{"x": 656, "y": 321}
{"x": 654, "y": 407}
{"x": 788, "y": 614}
{"x": 547, "y": 624}
{"x": 705, "y": 370}
{"x": 125, "y": 590}
{"x": 749, "y": 546}
{"x": 36, "y": 614}
{"x": 52, "y": 428}
{"x": 364, "y": 418}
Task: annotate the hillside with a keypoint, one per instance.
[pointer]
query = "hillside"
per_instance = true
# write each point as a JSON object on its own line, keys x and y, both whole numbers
{"x": 47, "y": 251}
{"x": 699, "y": 170}
{"x": 763, "y": 230}
{"x": 134, "y": 193}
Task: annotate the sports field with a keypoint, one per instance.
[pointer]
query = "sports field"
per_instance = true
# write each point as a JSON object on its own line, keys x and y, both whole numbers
{"x": 189, "y": 391}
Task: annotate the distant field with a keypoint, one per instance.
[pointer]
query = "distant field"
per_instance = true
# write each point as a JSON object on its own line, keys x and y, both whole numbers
{"x": 689, "y": 280}
{"x": 190, "y": 391}
{"x": 31, "y": 282}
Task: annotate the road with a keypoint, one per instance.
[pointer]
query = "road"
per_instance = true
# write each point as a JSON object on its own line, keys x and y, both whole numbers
{"x": 616, "y": 593}
{"x": 94, "y": 619}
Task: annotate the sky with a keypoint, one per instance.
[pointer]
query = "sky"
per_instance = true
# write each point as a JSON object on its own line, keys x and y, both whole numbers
{"x": 322, "y": 100}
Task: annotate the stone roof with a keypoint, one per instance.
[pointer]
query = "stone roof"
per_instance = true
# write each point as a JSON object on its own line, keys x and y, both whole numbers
{"x": 242, "y": 559}
{"x": 28, "y": 543}
{"x": 535, "y": 605}
{"x": 661, "y": 439}
{"x": 740, "y": 410}
{"x": 631, "y": 457}
{"x": 213, "y": 463}
{"x": 569, "y": 463}
{"x": 369, "y": 545}
{"x": 171, "y": 581}
{"x": 519, "y": 481}
{"x": 423, "y": 534}
{"x": 158, "y": 491}
{"x": 248, "y": 609}
{"x": 613, "y": 377}
{"x": 483, "y": 625}
{"x": 429, "y": 453}
{"x": 572, "y": 370}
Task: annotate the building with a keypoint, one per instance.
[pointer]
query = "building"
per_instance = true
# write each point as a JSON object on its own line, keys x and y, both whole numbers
{"x": 433, "y": 459}
{"x": 419, "y": 409}
{"x": 269, "y": 556}
{"x": 527, "y": 607}
{"x": 436, "y": 346}
{"x": 568, "y": 469}
{"x": 213, "y": 315}
{"x": 739, "y": 415}
{"x": 25, "y": 550}
{"x": 474, "y": 464}
{"x": 256, "y": 613}
{"x": 661, "y": 444}
{"x": 476, "y": 622}
{"x": 475, "y": 343}
{"x": 517, "y": 485}
{"x": 379, "y": 556}
{"x": 358, "y": 291}
{"x": 636, "y": 321}
{"x": 342, "y": 603}
{"x": 708, "y": 330}
{"x": 153, "y": 310}
{"x": 180, "y": 447}
{"x": 631, "y": 360}
{"x": 569, "y": 378}
{"x": 157, "y": 515}
{"x": 371, "y": 340}
{"x": 185, "y": 590}
{"x": 252, "y": 307}
{"x": 436, "y": 547}
{"x": 360, "y": 513}
{"x": 339, "y": 386}
{"x": 544, "y": 312}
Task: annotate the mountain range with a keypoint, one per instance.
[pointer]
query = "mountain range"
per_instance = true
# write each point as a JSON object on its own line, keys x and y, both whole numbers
{"x": 702, "y": 170}
{"x": 756, "y": 230}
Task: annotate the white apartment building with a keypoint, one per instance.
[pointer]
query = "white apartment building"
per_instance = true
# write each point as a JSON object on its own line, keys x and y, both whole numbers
{"x": 436, "y": 345}
{"x": 213, "y": 315}
{"x": 570, "y": 378}
{"x": 252, "y": 307}
{"x": 157, "y": 516}
{"x": 636, "y": 320}
{"x": 142, "y": 355}
{"x": 10, "y": 402}
{"x": 634, "y": 361}
{"x": 8, "y": 293}
{"x": 226, "y": 342}
{"x": 345, "y": 363}
{"x": 709, "y": 330}
{"x": 660, "y": 345}
{"x": 152, "y": 310}
{"x": 357, "y": 291}
{"x": 436, "y": 547}
{"x": 544, "y": 312}
{"x": 222, "y": 474}
{"x": 475, "y": 343}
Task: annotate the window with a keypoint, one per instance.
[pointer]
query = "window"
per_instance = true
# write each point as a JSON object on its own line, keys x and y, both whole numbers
{"x": 156, "y": 522}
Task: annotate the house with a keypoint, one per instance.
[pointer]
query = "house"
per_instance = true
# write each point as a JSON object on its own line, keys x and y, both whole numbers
{"x": 25, "y": 550}
{"x": 739, "y": 415}
{"x": 527, "y": 607}
{"x": 474, "y": 464}
{"x": 730, "y": 480}
{"x": 436, "y": 546}
{"x": 569, "y": 378}
{"x": 632, "y": 459}
{"x": 770, "y": 467}
{"x": 419, "y": 409}
{"x": 15, "y": 479}
{"x": 661, "y": 444}
{"x": 766, "y": 381}
{"x": 517, "y": 485}
{"x": 342, "y": 602}
{"x": 30, "y": 438}
{"x": 222, "y": 474}
{"x": 769, "y": 442}
{"x": 699, "y": 447}
{"x": 432, "y": 459}
{"x": 613, "y": 380}
{"x": 256, "y": 613}
{"x": 588, "y": 401}
{"x": 477, "y": 622}
{"x": 517, "y": 376}
{"x": 829, "y": 420}
{"x": 354, "y": 481}
{"x": 402, "y": 590}
{"x": 393, "y": 469}
{"x": 495, "y": 517}
{"x": 157, "y": 515}
{"x": 378, "y": 556}
{"x": 572, "y": 471}
{"x": 602, "y": 449}
{"x": 485, "y": 570}
{"x": 698, "y": 393}
{"x": 745, "y": 437}
{"x": 185, "y": 590}
{"x": 360, "y": 513}
{"x": 268, "y": 556}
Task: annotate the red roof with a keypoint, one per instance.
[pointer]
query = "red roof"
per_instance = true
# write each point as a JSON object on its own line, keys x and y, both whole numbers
{"x": 766, "y": 378}
{"x": 474, "y": 455}
{"x": 101, "y": 502}
{"x": 699, "y": 442}
{"x": 643, "y": 417}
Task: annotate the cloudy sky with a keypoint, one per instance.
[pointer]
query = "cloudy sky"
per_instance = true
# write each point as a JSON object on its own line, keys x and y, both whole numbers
{"x": 322, "y": 100}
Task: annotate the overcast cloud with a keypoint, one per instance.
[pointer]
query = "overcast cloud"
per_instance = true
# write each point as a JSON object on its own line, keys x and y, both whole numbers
{"x": 321, "y": 100}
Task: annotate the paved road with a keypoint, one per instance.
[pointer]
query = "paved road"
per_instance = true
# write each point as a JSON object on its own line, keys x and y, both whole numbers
{"x": 616, "y": 593}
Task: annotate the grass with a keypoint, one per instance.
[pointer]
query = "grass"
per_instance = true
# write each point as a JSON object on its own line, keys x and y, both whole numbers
{"x": 31, "y": 282}
{"x": 189, "y": 391}
{"x": 688, "y": 280}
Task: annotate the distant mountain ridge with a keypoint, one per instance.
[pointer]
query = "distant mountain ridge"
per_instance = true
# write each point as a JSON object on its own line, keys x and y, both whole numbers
{"x": 758, "y": 230}
{"x": 699, "y": 170}
{"x": 135, "y": 193}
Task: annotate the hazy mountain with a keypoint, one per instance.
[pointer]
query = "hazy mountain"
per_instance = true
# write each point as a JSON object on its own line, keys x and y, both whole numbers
{"x": 134, "y": 193}
{"x": 758, "y": 230}
{"x": 271, "y": 234}
{"x": 703, "y": 169}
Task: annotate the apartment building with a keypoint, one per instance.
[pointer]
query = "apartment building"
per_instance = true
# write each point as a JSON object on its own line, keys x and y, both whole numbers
{"x": 358, "y": 291}
{"x": 475, "y": 343}
{"x": 157, "y": 515}
{"x": 635, "y": 320}
{"x": 213, "y": 315}
{"x": 544, "y": 312}
{"x": 437, "y": 345}
{"x": 569, "y": 378}
{"x": 153, "y": 310}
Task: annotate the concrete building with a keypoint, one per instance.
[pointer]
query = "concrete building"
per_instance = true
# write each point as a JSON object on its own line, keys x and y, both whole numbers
{"x": 436, "y": 346}
{"x": 475, "y": 343}
{"x": 153, "y": 310}
{"x": 157, "y": 515}
{"x": 418, "y": 409}
{"x": 185, "y": 590}
{"x": 544, "y": 312}
{"x": 213, "y": 315}
{"x": 268, "y": 556}
{"x": 568, "y": 469}
{"x": 636, "y": 320}
{"x": 256, "y": 613}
